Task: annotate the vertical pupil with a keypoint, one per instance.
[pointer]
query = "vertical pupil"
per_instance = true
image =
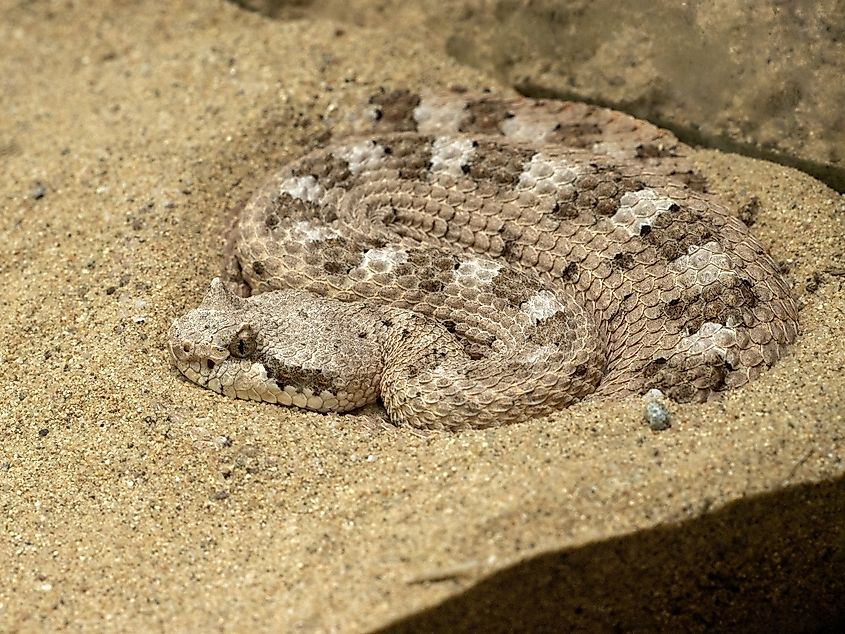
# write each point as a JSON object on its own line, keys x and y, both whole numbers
{"x": 241, "y": 347}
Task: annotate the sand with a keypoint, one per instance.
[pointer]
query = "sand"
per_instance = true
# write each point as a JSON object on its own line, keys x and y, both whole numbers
{"x": 134, "y": 501}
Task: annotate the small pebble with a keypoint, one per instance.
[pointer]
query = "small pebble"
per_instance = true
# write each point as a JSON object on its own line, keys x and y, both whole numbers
{"x": 657, "y": 416}
{"x": 37, "y": 191}
{"x": 222, "y": 441}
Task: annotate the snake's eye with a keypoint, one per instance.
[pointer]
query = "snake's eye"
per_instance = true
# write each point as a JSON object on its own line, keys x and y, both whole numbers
{"x": 243, "y": 344}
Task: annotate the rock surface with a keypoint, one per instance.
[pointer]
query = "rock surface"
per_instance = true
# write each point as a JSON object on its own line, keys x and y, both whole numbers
{"x": 760, "y": 78}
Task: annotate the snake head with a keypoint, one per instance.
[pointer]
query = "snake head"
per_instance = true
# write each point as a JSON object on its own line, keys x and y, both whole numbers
{"x": 288, "y": 346}
{"x": 218, "y": 332}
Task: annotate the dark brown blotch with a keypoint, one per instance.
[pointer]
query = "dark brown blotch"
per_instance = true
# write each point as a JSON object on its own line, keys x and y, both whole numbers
{"x": 395, "y": 109}
{"x": 684, "y": 380}
{"x": 485, "y": 115}
{"x": 600, "y": 190}
{"x": 432, "y": 267}
{"x": 576, "y": 134}
{"x": 498, "y": 163}
{"x": 431, "y": 286}
{"x": 271, "y": 220}
{"x": 557, "y": 330}
{"x": 719, "y": 302}
{"x": 411, "y": 154}
{"x": 623, "y": 262}
{"x": 570, "y": 273}
{"x": 283, "y": 205}
{"x": 514, "y": 287}
{"x": 672, "y": 234}
{"x": 339, "y": 255}
{"x": 654, "y": 150}
{"x": 694, "y": 180}
{"x": 511, "y": 249}
{"x": 329, "y": 170}
{"x": 564, "y": 207}
{"x": 316, "y": 380}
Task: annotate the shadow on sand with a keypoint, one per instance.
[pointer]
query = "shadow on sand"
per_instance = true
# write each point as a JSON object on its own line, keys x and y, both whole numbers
{"x": 771, "y": 563}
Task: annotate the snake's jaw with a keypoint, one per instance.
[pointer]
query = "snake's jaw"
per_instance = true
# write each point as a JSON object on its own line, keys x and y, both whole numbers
{"x": 203, "y": 356}
{"x": 199, "y": 361}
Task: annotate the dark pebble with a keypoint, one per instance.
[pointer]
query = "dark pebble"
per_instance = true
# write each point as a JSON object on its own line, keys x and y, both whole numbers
{"x": 657, "y": 416}
{"x": 37, "y": 191}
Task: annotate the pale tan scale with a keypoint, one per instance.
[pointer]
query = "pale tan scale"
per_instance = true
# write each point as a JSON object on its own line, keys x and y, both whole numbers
{"x": 475, "y": 260}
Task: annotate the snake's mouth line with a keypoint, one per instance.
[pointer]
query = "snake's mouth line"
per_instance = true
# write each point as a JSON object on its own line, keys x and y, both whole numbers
{"x": 249, "y": 381}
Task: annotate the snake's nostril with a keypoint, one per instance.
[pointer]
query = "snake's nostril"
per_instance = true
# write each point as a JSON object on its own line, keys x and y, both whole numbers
{"x": 187, "y": 346}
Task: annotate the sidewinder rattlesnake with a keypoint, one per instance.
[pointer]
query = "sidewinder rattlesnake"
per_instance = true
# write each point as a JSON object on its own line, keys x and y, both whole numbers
{"x": 474, "y": 260}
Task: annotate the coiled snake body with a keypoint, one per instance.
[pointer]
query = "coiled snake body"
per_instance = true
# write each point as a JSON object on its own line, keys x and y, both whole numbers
{"x": 475, "y": 260}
